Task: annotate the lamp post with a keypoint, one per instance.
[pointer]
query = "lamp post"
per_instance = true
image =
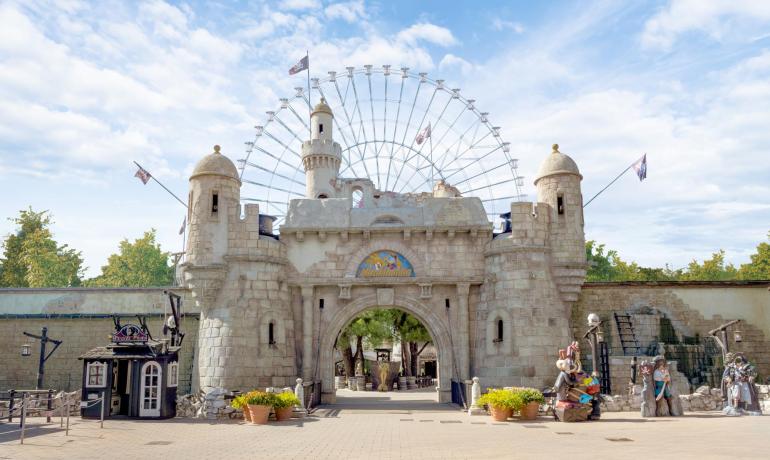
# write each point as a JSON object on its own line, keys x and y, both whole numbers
{"x": 44, "y": 339}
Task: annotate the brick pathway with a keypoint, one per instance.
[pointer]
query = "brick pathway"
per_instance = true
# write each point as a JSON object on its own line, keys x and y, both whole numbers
{"x": 402, "y": 426}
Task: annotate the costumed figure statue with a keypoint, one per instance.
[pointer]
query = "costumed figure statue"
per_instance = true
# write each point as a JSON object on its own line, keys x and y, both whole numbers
{"x": 384, "y": 371}
{"x": 573, "y": 387}
{"x": 738, "y": 386}
{"x": 659, "y": 397}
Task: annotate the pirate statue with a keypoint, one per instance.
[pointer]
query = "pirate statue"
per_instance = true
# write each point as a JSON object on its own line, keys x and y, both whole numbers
{"x": 738, "y": 390}
{"x": 574, "y": 389}
{"x": 659, "y": 398}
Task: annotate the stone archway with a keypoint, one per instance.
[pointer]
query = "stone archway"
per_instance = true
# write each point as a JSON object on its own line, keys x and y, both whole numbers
{"x": 436, "y": 325}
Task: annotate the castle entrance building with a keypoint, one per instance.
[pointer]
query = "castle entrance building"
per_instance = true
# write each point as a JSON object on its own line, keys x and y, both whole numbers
{"x": 273, "y": 300}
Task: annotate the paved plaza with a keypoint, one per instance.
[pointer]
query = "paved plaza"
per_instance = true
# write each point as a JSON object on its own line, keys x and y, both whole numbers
{"x": 396, "y": 425}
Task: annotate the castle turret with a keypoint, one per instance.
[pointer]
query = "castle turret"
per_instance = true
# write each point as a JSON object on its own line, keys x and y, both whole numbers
{"x": 321, "y": 155}
{"x": 558, "y": 185}
{"x": 214, "y": 194}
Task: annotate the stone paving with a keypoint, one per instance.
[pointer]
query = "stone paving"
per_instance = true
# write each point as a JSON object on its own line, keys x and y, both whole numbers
{"x": 394, "y": 426}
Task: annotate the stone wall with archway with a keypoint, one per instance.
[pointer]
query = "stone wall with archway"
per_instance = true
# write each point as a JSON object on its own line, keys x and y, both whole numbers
{"x": 437, "y": 327}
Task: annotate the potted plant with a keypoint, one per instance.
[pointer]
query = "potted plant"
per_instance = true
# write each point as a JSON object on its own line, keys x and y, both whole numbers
{"x": 239, "y": 402}
{"x": 259, "y": 404}
{"x": 284, "y": 404}
{"x": 501, "y": 403}
{"x": 531, "y": 400}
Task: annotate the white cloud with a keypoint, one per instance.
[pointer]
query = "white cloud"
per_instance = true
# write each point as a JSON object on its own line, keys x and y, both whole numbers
{"x": 716, "y": 18}
{"x": 430, "y": 33}
{"x": 347, "y": 11}
{"x": 451, "y": 63}
{"x": 300, "y": 4}
{"x": 501, "y": 24}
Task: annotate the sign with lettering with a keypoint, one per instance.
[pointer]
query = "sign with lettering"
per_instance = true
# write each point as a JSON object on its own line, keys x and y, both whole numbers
{"x": 130, "y": 333}
{"x": 385, "y": 263}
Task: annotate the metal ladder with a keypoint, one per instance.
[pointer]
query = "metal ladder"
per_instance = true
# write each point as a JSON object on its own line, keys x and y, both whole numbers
{"x": 627, "y": 336}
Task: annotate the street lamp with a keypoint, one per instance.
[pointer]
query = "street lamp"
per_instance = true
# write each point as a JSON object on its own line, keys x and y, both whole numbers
{"x": 44, "y": 339}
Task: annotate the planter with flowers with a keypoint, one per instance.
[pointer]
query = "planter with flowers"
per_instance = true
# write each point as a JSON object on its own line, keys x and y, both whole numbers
{"x": 284, "y": 405}
{"x": 501, "y": 403}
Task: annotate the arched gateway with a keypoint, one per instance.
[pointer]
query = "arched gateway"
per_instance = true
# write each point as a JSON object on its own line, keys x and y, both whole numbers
{"x": 437, "y": 326}
{"x": 409, "y": 231}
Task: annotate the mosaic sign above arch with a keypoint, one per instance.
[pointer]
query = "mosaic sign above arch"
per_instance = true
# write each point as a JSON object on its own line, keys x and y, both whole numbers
{"x": 385, "y": 263}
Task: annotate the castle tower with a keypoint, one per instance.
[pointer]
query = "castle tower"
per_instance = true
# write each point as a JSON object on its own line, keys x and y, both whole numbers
{"x": 558, "y": 185}
{"x": 321, "y": 155}
{"x": 214, "y": 194}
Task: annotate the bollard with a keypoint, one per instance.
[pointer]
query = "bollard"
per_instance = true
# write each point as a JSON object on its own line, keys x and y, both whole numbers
{"x": 49, "y": 406}
{"x": 67, "y": 432}
{"x": 61, "y": 412}
{"x": 475, "y": 409}
{"x": 299, "y": 392}
{"x": 11, "y": 404}
{"x": 23, "y": 417}
{"x": 101, "y": 417}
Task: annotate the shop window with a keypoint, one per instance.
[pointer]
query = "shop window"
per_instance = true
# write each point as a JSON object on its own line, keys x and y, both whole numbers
{"x": 173, "y": 374}
{"x": 96, "y": 375}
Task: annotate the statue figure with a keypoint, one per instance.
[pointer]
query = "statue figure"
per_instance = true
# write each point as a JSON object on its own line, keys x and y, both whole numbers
{"x": 384, "y": 376}
{"x": 738, "y": 388}
{"x": 574, "y": 404}
{"x": 659, "y": 397}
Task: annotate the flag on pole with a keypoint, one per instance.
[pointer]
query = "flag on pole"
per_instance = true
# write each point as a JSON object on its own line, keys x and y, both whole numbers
{"x": 424, "y": 134}
{"x": 143, "y": 175}
{"x": 184, "y": 225}
{"x": 641, "y": 167}
{"x": 303, "y": 64}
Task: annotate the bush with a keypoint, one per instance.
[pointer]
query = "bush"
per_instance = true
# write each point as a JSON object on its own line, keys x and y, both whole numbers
{"x": 504, "y": 399}
{"x": 284, "y": 400}
{"x": 260, "y": 398}
{"x": 529, "y": 395}
{"x": 238, "y": 402}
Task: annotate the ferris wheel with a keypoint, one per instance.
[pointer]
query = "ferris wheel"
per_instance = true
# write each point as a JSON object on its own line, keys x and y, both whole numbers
{"x": 402, "y": 130}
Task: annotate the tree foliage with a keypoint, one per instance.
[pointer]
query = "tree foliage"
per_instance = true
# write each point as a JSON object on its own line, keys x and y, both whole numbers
{"x": 138, "y": 264}
{"x": 606, "y": 265}
{"x": 759, "y": 267}
{"x": 32, "y": 258}
{"x": 380, "y": 326}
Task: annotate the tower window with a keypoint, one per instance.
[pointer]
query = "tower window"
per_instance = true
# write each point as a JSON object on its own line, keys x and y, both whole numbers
{"x": 560, "y": 204}
{"x": 322, "y": 196}
{"x": 214, "y": 203}
{"x": 271, "y": 333}
{"x": 446, "y": 303}
{"x": 499, "y": 331}
{"x": 320, "y": 128}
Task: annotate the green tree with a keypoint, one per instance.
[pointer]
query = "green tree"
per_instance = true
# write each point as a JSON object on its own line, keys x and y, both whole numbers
{"x": 713, "y": 269}
{"x": 759, "y": 267}
{"x": 138, "y": 264}
{"x": 32, "y": 258}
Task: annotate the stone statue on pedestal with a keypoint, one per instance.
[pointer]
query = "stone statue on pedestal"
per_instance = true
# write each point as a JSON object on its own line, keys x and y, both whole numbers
{"x": 659, "y": 397}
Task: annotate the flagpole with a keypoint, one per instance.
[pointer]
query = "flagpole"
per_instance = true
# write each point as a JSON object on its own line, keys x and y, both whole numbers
{"x": 164, "y": 187}
{"x": 608, "y": 185}
{"x": 309, "y": 108}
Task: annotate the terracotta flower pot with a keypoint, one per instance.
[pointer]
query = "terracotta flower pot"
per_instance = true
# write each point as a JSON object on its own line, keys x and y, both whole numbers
{"x": 246, "y": 413}
{"x": 259, "y": 414}
{"x": 500, "y": 414}
{"x": 283, "y": 413}
{"x": 529, "y": 411}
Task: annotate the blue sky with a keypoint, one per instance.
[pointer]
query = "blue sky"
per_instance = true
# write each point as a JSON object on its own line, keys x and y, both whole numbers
{"x": 85, "y": 88}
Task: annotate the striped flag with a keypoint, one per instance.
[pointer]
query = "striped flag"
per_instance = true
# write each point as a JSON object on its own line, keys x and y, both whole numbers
{"x": 303, "y": 64}
{"x": 641, "y": 167}
{"x": 143, "y": 175}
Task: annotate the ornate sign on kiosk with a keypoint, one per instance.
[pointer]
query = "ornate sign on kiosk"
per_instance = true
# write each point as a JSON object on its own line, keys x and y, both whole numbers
{"x": 385, "y": 263}
{"x": 130, "y": 333}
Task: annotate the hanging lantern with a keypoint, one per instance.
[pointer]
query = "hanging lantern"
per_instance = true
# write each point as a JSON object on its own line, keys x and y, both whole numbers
{"x": 737, "y": 336}
{"x": 26, "y": 350}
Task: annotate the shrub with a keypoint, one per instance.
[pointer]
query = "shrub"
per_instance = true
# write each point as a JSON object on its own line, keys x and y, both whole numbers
{"x": 260, "y": 398}
{"x": 286, "y": 399}
{"x": 505, "y": 399}
{"x": 529, "y": 395}
{"x": 238, "y": 402}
